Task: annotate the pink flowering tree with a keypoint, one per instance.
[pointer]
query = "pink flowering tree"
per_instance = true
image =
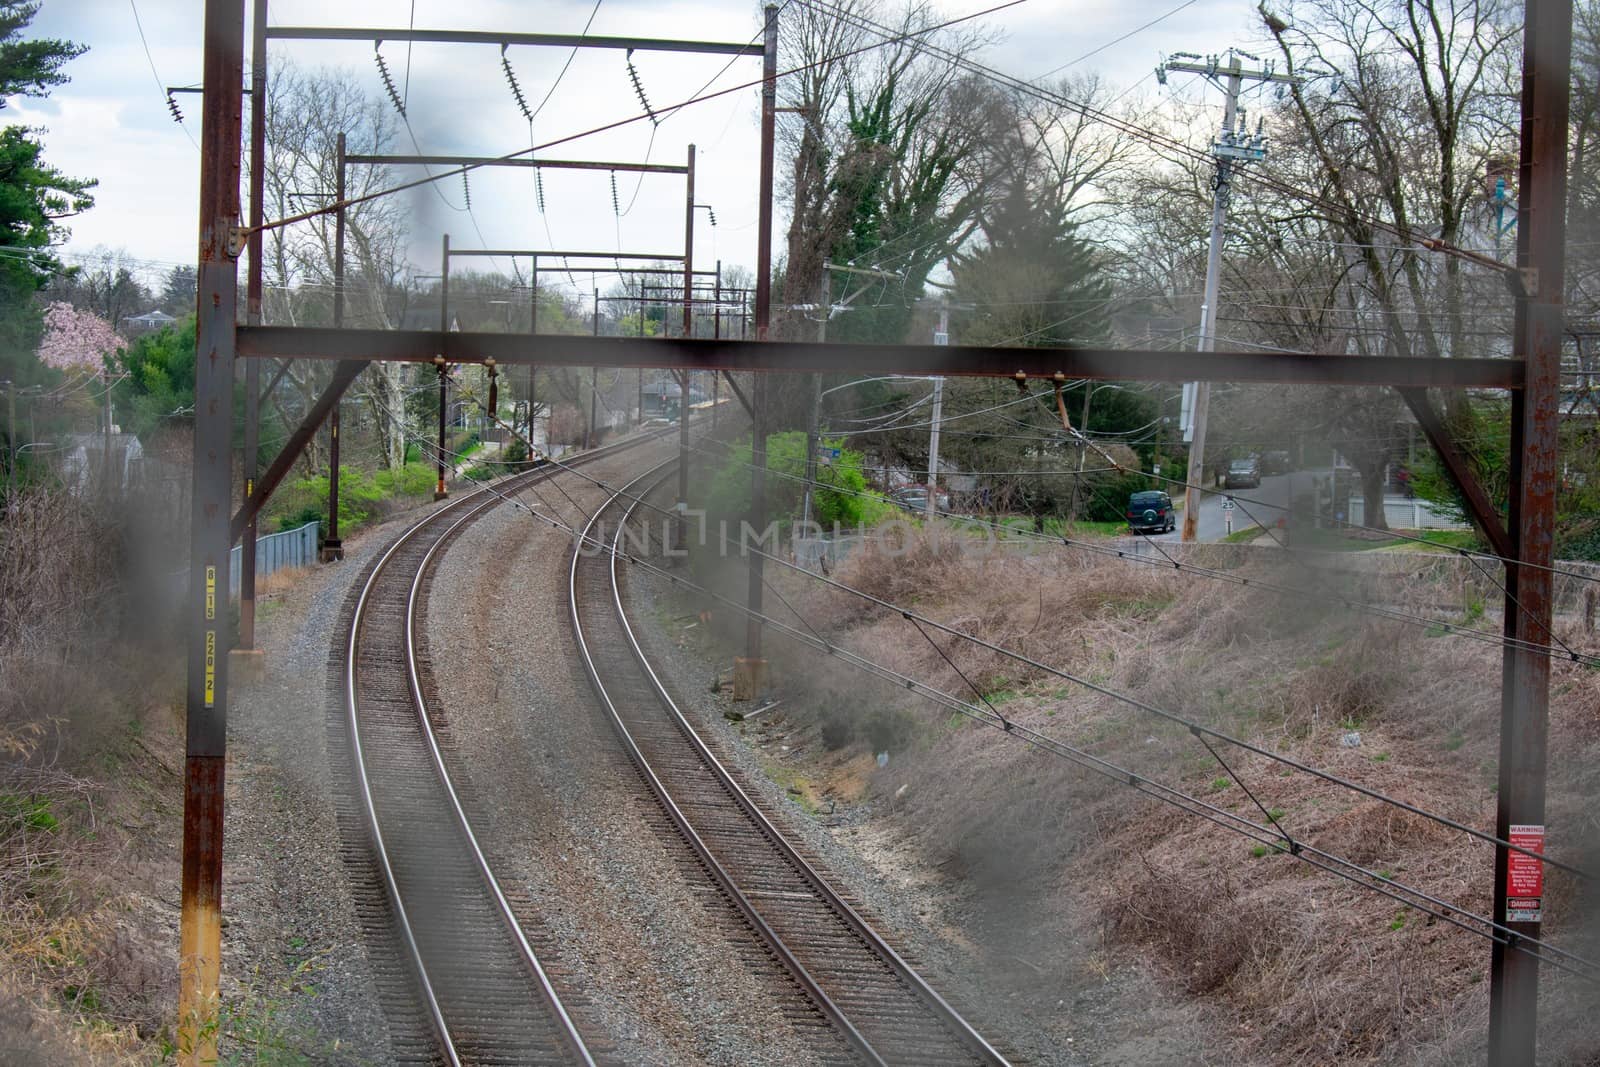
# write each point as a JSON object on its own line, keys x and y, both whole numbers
{"x": 76, "y": 340}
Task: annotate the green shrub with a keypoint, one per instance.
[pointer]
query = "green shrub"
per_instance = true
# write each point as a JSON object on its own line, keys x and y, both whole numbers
{"x": 841, "y": 496}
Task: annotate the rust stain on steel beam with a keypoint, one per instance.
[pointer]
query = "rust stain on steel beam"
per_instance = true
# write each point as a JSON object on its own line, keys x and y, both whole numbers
{"x": 200, "y": 924}
{"x": 1109, "y": 364}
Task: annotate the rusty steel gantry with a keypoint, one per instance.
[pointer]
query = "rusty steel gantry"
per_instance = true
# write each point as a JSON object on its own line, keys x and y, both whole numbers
{"x": 1524, "y": 540}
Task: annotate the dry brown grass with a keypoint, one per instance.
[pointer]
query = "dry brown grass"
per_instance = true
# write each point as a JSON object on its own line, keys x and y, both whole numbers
{"x": 1313, "y": 968}
{"x": 80, "y": 647}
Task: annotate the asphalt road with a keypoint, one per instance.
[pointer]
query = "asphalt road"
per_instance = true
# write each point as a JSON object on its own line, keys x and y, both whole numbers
{"x": 1274, "y": 489}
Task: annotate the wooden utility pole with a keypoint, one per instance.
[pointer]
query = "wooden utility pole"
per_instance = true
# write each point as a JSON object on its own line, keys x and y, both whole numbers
{"x": 1233, "y": 148}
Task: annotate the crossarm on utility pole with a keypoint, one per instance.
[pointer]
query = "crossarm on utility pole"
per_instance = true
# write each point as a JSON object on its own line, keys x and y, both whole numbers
{"x": 343, "y": 375}
{"x": 1481, "y": 509}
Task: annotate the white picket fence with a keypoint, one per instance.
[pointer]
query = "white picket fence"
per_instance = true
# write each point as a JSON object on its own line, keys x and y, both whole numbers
{"x": 1402, "y": 514}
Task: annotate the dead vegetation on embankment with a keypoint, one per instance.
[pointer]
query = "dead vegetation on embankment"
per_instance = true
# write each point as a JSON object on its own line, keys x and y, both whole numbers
{"x": 90, "y": 793}
{"x": 1063, "y": 868}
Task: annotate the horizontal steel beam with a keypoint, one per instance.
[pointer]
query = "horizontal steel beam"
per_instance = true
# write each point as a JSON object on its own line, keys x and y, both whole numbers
{"x": 1109, "y": 364}
{"x": 510, "y": 252}
{"x": 554, "y": 40}
{"x": 522, "y": 161}
{"x": 558, "y": 269}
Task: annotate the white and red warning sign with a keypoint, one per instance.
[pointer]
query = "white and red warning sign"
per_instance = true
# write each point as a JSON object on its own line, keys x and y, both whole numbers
{"x": 1525, "y": 875}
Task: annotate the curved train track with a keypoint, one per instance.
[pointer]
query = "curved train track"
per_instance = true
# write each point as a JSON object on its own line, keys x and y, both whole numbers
{"x": 876, "y": 1002}
{"x": 477, "y": 977}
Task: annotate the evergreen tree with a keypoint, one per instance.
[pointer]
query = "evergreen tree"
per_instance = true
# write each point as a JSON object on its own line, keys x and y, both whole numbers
{"x": 178, "y": 296}
{"x": 34, "y": 197}
{"x": 1034, "y": 282}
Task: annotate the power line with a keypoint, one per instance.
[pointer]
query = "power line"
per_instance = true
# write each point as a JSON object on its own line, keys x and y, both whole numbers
{"x": 1109, "y": 44}
{"x": 160, "y": 85}
{"x": 1299, "y": 593}
{"x": 1272, "y": 836}
{"x": 1162, "y": 140}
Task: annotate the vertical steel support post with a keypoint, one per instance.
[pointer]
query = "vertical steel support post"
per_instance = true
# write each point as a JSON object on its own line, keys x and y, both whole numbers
{"x": 763, "y": 312}
{"x": 333, "y": 547}
{"x": 594, "y": 377}
{"x": 252, "y": 316}
{"x": 533, "y": 328}
{"x": 688, "y": 248}
{"x": 684, "y": 377}
{"x": 210, "y": 540}
{"x": 439, "y": 491}
{"x": 1525, "y": 676}
{"x": 769, "y": 119}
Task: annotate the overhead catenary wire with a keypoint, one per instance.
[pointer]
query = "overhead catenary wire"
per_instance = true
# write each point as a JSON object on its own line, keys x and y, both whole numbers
{"x": 161, "y": 85}
{"x": 348, "y": 202}
{"x": 1125, "y": 698}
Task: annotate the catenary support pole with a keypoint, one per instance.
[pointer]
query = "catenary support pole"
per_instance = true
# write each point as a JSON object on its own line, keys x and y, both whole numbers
{"x": 594, "y": 379}
{"x": 206, "y": 602}
{"x": 753, "y": 667}
{"x": 332, "y": 546}
{"x": 688, "y": 247}
{"x": 533, "y": 327}
{"x": 252, "y": 316}
{"x": 688, "y": 331}
{"x": 1525, "y": 676}
{"x": 439, "y": 490}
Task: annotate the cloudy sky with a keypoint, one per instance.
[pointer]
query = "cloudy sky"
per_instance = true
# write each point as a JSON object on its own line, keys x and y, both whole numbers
{"x": 111, "y": 121}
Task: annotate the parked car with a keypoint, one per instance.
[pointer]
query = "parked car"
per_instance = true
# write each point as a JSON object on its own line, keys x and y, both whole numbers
{"x": 1276, "y": 463}
{"x": 914, "y": 498}
{"x": 1242, "y": 474}
{"x": 1151, "y": 511}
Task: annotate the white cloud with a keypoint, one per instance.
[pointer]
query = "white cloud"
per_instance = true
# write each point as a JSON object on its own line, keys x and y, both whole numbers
{"x": 111, "y": 122}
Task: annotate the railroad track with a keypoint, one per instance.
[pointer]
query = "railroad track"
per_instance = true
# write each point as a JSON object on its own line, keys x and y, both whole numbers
{"x": 873, "y": 998}
{"x": 475, "y": 973}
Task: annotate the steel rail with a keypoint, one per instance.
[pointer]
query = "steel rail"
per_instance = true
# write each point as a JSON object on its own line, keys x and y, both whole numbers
{"x": 547, "y": 990}
{"x": 966, "y": 1037}
{"x": 953, "y": 1019}
{"x": 718, "y": 872}
{"x": 473, "y": 505}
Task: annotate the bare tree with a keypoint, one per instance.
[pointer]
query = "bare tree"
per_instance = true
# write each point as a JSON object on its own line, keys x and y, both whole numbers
{"x": 306, "y": 113}
{"x": 878, "y": 145}
{"x": 1405, "y": 105}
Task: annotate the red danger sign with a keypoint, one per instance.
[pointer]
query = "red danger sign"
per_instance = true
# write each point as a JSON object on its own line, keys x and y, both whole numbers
{"x": 1524, "y": 873}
